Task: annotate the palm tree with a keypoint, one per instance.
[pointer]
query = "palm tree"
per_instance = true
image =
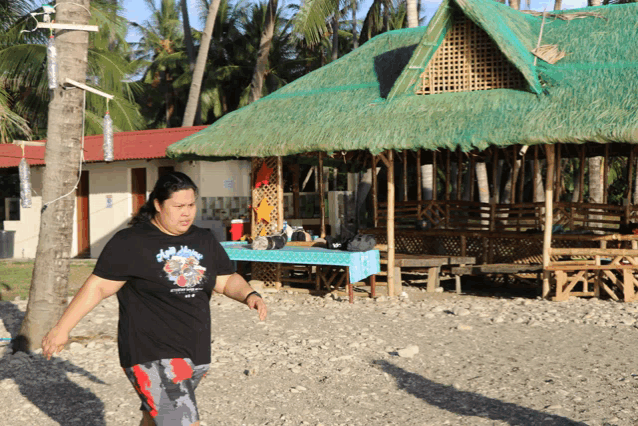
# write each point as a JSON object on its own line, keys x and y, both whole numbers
{"x": 161, "y": 49}
{"x": 23, "y": 72}
{"x": 49, "y": 282}
{"x": 256, "y": 85}
{"x": 198, "y": 73}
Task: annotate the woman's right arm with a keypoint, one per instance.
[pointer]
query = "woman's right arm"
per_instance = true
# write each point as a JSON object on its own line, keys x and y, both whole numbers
{"x": 94, "y": 290}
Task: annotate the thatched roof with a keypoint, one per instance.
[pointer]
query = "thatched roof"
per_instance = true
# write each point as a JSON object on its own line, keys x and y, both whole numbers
{"x": 366, "y": 100}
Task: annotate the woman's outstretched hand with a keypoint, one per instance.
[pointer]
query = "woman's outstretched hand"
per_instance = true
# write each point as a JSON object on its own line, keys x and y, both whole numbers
{"x": 54, "y": 342}
{"x": 256, "y": 302}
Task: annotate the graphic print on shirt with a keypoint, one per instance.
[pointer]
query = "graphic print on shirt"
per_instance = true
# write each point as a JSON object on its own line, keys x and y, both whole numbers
{"x": 182, "y": 268}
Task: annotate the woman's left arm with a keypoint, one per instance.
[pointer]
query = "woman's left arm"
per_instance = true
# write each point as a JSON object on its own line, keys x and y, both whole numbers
{"x": 236, "y": 287}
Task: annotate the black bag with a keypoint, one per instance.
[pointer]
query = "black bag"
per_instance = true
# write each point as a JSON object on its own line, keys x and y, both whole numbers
{"x": 358, "y": 242}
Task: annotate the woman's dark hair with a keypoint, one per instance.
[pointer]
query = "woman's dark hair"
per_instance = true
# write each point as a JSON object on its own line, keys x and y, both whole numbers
{"x": 165, "y": 186}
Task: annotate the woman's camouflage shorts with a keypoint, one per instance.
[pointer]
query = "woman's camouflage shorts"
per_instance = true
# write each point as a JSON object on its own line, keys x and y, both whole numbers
{"x": 167, "y": 389}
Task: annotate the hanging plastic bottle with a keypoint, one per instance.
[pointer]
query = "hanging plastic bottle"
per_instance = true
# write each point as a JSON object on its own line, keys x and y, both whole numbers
{"x": 25, "y": 184}
{"x": 108, "y": 138}
{"x": 52, "y": 63}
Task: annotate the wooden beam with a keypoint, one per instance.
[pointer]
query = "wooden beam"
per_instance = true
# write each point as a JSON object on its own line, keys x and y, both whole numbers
{"x": 405, "y": 175}
{"x": 630, "y": 176}
{"x": 390, "y": 225}
{"x": 547, "y": 231}
{"x": 434, "y": 174}
{"x": 375, "y": 192}
{"x": 419, "y": 188}
{"x": 581, "y": 189}
{"x": 280, "y": 194}
{"x": 381, "y": 156}
{"x": 447, "y": 175}
{"x": 559, "y": 170}
{"x": 82, "y": 86}
{"x": 322, "y": 206}
{"x": 296, "y": 174}
{"x": 459, "y": 173}
{"x": 606, "y": 175}
{"x": 608, "y": 252}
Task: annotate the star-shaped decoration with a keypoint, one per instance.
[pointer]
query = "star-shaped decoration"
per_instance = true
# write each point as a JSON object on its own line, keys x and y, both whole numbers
{"x": 263, "y": 175}
{"x": 263, "y": 211}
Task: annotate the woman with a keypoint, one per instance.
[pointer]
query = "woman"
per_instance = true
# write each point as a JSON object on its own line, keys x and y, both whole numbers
{"x": 163, "y": 270}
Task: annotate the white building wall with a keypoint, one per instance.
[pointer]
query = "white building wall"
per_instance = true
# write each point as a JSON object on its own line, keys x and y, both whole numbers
{"x": 113, "y": 180}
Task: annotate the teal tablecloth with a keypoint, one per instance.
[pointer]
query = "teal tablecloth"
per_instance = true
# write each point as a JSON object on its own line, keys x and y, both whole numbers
{"x": 360, "y": 264}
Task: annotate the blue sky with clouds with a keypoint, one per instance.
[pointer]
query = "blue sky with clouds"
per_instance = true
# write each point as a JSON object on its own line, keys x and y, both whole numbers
{"x": 136, "y": 10}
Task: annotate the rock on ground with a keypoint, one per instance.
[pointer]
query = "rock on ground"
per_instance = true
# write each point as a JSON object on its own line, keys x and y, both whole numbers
{"x": 321, "y": 361}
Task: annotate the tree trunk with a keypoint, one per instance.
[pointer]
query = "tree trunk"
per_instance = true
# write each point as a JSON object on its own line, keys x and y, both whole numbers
{"x": 538, "y": 182}
{"x": 595, "y": 186}
{"x": 257, "y": 83}
{"x": 515, "y": 4}
{"x": 636, "y": 185}
{"x": 594, "y": 3}
{"x": 427, "y": 183}
{"x": 49, "y": 283}
{"x": 558, "y": 4}
{"x": 335, "y": 36}
{"x": 188, "y": 36}
{"x": 483, "y": 188}
{"x": 200, "y": 66}
{"x": 413, "y": 14}
{"x": 355, "y": 38}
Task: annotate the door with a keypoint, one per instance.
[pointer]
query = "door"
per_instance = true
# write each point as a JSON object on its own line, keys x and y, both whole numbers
{"x": 84, "y": 238}
{"x": 138, "y": 188}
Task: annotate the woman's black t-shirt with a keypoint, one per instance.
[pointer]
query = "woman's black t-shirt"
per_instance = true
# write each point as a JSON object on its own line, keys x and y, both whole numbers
{"x": 164, "y": 305}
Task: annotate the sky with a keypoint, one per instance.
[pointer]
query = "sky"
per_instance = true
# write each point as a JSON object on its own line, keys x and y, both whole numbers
{"x": 136, "y": 10}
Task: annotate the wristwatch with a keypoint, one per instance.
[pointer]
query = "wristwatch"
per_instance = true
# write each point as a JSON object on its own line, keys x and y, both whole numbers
{"x": 253, "y": 293}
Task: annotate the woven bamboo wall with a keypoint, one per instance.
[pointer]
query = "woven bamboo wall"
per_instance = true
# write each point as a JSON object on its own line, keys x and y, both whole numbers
{"x": 269, "y": 273}
{"x": 466, "y": 61}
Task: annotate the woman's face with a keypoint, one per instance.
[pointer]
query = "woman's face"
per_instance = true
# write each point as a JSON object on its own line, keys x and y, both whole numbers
{"x": 177, "y": 213}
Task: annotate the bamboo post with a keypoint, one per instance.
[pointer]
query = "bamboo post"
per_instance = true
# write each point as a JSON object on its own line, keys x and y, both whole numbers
{"x": 405, "y": 175}
{"x": 434, "y": 187}
{"x": 514, "y": 176}
{"x": 447, "y": 175}
{"x": 495, "y": 189}
{"x": 295, "y": 190}
{"x": 581, "y": 189}
{"x": 280, "y": 213}
{"x": 535, "y": 167}
{"x": 459, "y": 173}
{"x": 375, "y": 191}
{"x": 390, "y": 226}
{"x": 559, "y": 169}
{"x": 419, "y": 187}
{"x": 605, "y": 175}
{"x": 322, "y": 206}
{"x": 472, "y": 179}
{"x": 630, "y": 177}
{"x": 549, "y": 220}
{"x": 521, "y": 181}
{"x": 280, "y": 194}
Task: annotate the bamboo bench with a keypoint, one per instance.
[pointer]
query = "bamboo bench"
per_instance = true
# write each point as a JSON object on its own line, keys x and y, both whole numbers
{"x": 430, "y": 263}
{"x": 620, "y": 272}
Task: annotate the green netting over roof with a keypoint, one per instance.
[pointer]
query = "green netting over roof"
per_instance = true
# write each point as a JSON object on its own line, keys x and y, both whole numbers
{"x": 588, "y": 96}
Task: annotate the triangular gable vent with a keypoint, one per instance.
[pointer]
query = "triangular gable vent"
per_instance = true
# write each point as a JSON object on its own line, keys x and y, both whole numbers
{"x": 468, "y": 60}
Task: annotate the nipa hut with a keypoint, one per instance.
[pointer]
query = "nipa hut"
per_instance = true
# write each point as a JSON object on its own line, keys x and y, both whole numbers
{"x": 483, "y": 86}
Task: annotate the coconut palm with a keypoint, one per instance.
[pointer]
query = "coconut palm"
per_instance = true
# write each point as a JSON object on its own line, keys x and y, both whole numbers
{"x": 23, "y": 71}
{"x": 162, "y": 53}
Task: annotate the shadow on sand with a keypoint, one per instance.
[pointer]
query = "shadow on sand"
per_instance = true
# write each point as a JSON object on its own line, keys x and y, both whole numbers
{"x": 469, "y": 404}
{"x": 46, "y": 384}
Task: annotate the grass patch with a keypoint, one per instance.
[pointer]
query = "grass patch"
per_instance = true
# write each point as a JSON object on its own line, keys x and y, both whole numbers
{"x": 15, "y": 278}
